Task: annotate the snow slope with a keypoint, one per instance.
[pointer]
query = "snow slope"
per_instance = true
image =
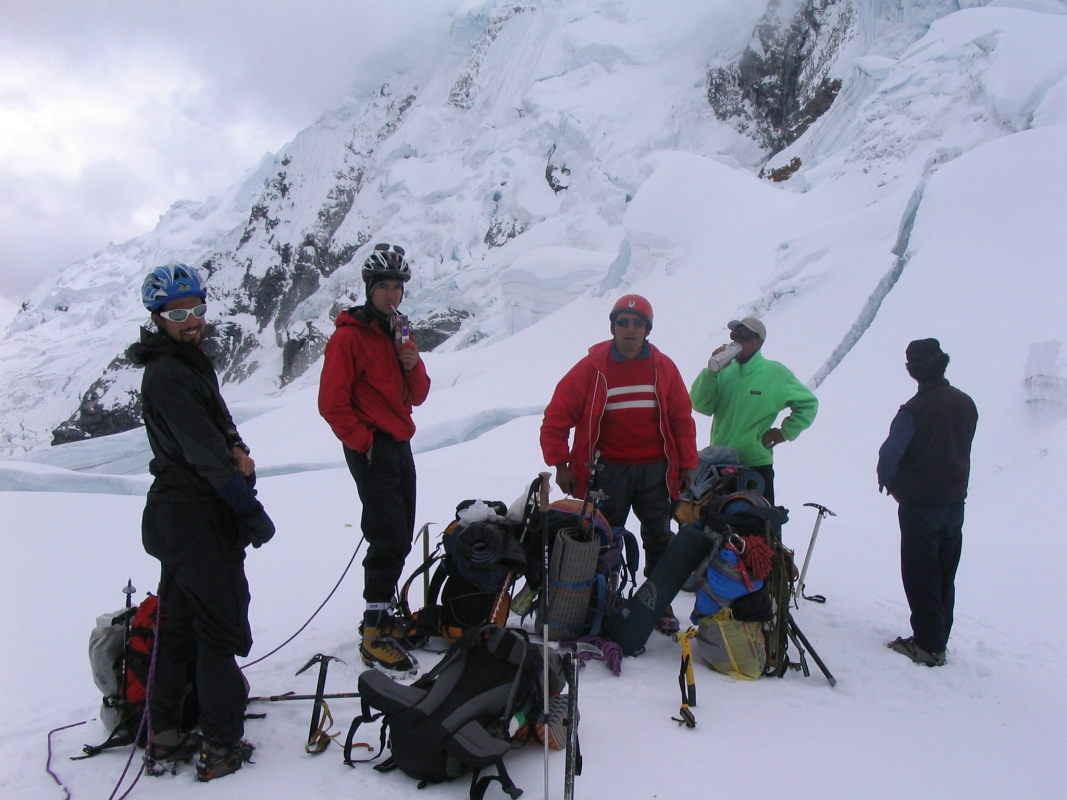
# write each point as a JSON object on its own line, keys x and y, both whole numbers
{"x": 940, "y": 214}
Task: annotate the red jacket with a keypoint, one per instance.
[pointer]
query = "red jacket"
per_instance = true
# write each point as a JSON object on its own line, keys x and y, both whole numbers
{"x": 579, "y": 401}
{"x": 363, "y": 388}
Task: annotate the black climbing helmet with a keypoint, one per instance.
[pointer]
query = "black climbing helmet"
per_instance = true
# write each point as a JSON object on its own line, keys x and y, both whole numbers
{"x": 386, "y": 261}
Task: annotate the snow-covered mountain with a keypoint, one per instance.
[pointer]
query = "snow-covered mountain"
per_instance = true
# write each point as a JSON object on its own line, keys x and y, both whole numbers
{"x": 505, "y": 163}
{"x": 508, "y": 162}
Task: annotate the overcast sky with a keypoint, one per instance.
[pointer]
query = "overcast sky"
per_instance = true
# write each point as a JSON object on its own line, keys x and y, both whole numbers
{"x": 110, "y": 110}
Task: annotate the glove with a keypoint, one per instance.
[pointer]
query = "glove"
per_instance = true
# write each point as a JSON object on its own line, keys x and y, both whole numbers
{"x": 258, "y": 528}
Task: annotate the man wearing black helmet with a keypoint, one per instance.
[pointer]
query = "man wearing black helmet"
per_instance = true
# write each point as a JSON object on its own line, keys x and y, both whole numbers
{"x": 371, "y": 377}
{"x": 925, "y": 464}
{"x": 201, "y": 513}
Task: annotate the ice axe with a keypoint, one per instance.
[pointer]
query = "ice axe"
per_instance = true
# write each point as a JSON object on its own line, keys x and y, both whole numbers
{"x": 318, "y": 739}
{"x": 823, "y": 512}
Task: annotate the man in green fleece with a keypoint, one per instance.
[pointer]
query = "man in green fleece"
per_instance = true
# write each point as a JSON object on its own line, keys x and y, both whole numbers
{"x": 745, "y": 397}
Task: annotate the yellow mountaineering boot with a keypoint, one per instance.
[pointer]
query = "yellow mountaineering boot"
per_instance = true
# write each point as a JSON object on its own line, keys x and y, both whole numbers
{"x": 383, "y": 652}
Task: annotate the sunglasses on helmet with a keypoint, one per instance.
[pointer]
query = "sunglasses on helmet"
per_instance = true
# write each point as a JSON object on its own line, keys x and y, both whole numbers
{"x": 182, "y": 314}
{"x": 389, "y": 248}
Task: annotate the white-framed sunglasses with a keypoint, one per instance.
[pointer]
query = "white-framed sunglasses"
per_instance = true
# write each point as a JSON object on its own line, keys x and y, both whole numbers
{"x": 182, "y": 314}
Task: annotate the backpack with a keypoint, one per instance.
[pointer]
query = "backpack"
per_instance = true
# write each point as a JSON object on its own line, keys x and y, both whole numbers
{"x": 589, "y": 571}
{"x": 464, "y": 713}
{"x": 718, "y": 473}
{"x": 722, "y": 586}
{"x": 123, "y": 678}
{"x": 477, "y": 553}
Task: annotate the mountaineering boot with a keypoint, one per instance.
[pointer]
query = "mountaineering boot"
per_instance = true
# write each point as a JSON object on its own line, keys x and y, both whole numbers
{"x": 668, "y": 623}
{"x": 174, "y": 747}
{"x": 219, "y": 760}
{"x": 379, "y": 648}
{"x": 916, "y": 653}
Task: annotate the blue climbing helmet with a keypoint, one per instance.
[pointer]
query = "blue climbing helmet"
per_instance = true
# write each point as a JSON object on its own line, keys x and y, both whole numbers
{"x": 170, "y": 282}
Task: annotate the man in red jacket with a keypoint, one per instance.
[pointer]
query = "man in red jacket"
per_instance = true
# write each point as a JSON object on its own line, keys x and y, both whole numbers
{"x": 371, "y": 377}
{"x": 627, "y": 401}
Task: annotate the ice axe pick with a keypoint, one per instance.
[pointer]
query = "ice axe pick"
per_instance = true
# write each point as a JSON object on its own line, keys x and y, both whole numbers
{"x": 823, "y": 512}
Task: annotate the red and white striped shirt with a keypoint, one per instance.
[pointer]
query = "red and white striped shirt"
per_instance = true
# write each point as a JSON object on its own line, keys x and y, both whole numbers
{"x": 629, "y": 429}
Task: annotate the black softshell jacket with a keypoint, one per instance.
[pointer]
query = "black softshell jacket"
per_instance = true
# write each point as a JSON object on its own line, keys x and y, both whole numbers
{"x": 189, "y": 427}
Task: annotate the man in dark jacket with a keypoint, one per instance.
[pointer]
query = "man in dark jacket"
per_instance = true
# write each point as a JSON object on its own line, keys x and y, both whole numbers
{"x": 200, "y": 515}
{"x": 925, "y": 465}
{"x": 371, "y": 377}
{"x": 627, "y": 401}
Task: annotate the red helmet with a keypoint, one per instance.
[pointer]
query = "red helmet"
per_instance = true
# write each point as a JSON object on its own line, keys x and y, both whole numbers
{"x": 632, "y": 304}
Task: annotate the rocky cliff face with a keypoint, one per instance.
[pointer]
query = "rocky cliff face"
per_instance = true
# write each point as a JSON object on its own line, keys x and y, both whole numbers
{"x": 783, "y": 80}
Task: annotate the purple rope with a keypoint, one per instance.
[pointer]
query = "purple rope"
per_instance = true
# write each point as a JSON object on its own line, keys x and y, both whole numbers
{"x": 48, "y": 763}
{"x": 612, "y": 657}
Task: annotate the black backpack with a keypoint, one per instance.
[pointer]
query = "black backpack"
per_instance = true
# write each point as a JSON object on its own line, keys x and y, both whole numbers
{"x": 462, "y": 714}
{"x": 469, "y": 569}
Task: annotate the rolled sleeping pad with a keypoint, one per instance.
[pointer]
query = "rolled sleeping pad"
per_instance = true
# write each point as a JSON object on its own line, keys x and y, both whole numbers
{"x": 748, "y": 480}
{"x": 571, "y": 578}
{"x": 632, "y": 626}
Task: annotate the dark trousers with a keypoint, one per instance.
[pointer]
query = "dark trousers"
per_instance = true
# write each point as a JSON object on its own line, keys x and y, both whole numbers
{"x": 931, "y": 539}
{"x": 204, "y": 599}
{"x": 767, "y": 473}
{"x": 642, "y": 487}
{"x": 386, "y": 486}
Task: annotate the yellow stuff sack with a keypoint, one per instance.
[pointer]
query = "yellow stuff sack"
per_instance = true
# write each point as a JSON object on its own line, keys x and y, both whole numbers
{"x": 731, "y": 647}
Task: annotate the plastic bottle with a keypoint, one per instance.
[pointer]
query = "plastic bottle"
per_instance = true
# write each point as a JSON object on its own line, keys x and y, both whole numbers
{"x": 523, "y": 600}
{"x": 724, "y": 357}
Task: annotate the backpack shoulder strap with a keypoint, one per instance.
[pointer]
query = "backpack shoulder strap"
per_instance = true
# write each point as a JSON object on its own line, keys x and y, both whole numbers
{"x": 366, "y": 716}
{"x": 480, "y": 784}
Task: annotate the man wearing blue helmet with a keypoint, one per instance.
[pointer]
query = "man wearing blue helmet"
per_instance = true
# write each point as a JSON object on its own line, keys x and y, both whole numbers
{"x": 201, "y": 514}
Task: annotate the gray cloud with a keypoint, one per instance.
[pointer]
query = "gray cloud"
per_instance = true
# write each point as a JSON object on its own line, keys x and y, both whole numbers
{"x": 110, "y": 111}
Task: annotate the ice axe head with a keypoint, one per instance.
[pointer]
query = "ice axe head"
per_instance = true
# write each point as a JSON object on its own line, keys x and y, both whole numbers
{"x": 318, "y": 658}
{"x": 823, "y": 510}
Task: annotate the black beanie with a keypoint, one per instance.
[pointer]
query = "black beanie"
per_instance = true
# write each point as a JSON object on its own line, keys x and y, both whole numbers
{"x": 922, "y": 350}
{"x": 374, "y": 280}
{"x": 926, "y": 360}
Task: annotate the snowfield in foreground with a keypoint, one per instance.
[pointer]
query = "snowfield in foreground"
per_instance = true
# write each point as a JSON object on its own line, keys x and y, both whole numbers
{"x": 953, "y": 229}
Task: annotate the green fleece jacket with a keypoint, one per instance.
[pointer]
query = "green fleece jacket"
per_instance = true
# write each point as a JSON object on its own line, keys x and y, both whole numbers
{"x": 745, "y": 400}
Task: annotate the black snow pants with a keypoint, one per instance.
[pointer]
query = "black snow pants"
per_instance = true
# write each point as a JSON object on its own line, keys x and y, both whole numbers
{"x": 386, "y": 486}
{"x": 642, "y": 487}
{"x": 204, "y": 598}
{"x": 931, "y": 542}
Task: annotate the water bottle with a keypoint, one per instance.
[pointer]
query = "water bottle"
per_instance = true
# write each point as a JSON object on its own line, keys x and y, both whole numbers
{"x": 724, "y": 357}
{"x": 523, "y": 600}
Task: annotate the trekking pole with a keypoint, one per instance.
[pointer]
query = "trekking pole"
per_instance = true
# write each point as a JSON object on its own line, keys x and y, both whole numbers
{"x": 279, "y": 698}
{"x": 823, "y": 512}
{"x": 127, "y": 590}
{"x": 572, "y": 764}
{"x": 811, "y": 651}
{"x": 543, "y": 507}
